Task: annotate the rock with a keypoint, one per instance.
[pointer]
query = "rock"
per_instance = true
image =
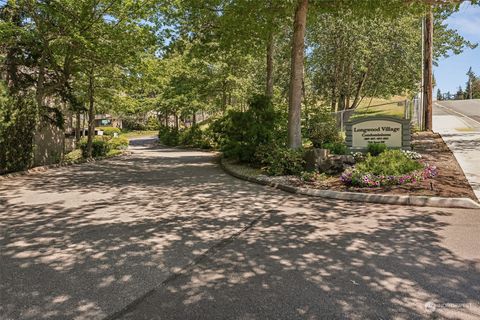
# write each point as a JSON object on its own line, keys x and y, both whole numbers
{"x": 336, "y": 164}
{"x": 314, "y": 157}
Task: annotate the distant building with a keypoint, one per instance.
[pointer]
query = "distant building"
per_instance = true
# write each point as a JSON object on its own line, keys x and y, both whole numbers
{"x": 107, "y": 120}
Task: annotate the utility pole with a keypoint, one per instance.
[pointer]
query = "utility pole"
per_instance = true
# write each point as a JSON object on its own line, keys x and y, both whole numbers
{"x": 470, "y": 89}
{"x": 428, "y": 70}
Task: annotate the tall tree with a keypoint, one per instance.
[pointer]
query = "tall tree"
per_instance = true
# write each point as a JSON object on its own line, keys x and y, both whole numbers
{"x": 296, "y": 76}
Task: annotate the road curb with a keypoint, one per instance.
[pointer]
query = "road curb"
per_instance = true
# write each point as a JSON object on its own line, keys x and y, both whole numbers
{"x": 420, "y": 201}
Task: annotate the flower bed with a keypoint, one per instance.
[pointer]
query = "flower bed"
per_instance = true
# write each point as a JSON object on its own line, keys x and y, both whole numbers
{"x": 391, "y": 167}
{"x": 358, "y": 179}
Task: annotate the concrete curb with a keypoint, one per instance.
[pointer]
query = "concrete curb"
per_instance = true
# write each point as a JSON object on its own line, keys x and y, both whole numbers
{"x": 57, "y": 165}
{"x": 421, "y": 201}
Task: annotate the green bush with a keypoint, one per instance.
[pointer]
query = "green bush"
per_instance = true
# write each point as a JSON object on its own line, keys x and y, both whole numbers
{"x": 118, "y": 143}
{"x": 238, "y": 134}
{"x": 322, "y": 129}
{"x": 336, "y": 147}
{"x": 392, "y": 167}
{"x": 376, "y": 148}
{"x": 18, "y": 119}
{"x": 109, "y": 131}
{"x": 132, "y": 124}
{"x": 389, "y": 162}
{"x": 168, "y": 136}
{"x": 278, "y": 161}
{"x": 100, "y": 147}
{"x": 195, "y": 137}
{"x": 152, "y": 124}
{"x": 73, "y": 156}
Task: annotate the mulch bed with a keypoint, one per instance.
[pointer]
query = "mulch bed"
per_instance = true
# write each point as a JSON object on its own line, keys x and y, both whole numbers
{"x": 450, "y": 181}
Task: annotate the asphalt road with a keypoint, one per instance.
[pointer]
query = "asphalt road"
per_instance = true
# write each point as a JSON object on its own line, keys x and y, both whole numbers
{"x": 460, "y": 108}
{"x": 165, "y": 234}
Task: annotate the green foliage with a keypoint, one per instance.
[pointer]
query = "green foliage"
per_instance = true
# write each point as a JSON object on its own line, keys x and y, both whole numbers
{"x": 100, "y": 147}
{"x": 195, "y": 137}
{"x": 152, "y": 124}
{"x": 392, "y": 167}
{"x": 73, "y": 156}
{"x": 312, "y": 176}
{"x": 114, "y": 152}
{"x": 240, "y": 133}
{"x": 169, "y": 136}
{"x": 389, "y": 162}
{"x": 322, "y": 129}
{"x": 18, "y": 118}
{"x": 118, "y": 143}
{"x": 279, "y": 161}
{"x": 375, "y": 149}
{"x": 336, "y": 147}
{"x": 109, "y": 131}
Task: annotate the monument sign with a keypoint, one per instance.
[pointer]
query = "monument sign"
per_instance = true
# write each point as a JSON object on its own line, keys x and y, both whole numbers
{"x": 394, "y": 132}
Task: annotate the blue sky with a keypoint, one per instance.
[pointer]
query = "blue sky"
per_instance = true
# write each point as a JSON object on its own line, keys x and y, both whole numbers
{"x": 451, "y": 72}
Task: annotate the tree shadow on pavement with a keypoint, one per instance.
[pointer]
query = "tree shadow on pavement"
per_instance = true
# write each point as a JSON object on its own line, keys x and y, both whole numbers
{"x": 327, "y": 264}
{"x": 85, "y": 241}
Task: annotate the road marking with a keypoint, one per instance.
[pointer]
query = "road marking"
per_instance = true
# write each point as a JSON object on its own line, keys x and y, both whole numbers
{"x": 454, "y": 111}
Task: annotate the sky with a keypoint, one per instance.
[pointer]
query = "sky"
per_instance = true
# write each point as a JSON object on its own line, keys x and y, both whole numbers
{"x": 451, "y": 72}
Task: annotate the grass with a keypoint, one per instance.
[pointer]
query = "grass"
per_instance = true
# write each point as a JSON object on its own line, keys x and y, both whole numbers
{"x": 385, "y": 107}
{"x": 139, "y": 133}
{"x": 465, "y": 129}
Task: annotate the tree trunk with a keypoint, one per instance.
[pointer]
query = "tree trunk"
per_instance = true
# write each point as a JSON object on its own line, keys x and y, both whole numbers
{"x": 296, "y": 76}
{"x": 356, "y": 100}
{"x": 176, "y": 121}
{"x": 194, "y": 118}
{"x": 91, "y": 114}
{"x": 77, "y": 126}
{"x": 270, "y": 51}
{"x": 341, "y": 101}
{"x": 428, "y": 81}
{"x": 224, "y": 97}
{"x": 334, "y": 98}
{"x": 40, "y": 90}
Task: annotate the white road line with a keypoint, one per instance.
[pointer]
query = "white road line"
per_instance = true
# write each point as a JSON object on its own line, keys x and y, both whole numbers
{"x": 454, "y": 111}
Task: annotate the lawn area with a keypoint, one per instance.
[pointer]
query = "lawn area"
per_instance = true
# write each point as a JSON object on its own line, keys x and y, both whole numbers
{"x": 139, "y": 133}
{"x": 394, "y": 106}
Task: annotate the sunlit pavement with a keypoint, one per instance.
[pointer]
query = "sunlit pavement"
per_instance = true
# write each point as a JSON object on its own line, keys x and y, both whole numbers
{"x": 458, "y": 122}
{"x": 86, "y": 241}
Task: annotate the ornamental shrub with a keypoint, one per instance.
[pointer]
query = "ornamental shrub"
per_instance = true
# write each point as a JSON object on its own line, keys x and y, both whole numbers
{"x": 279, "y": 161}
{"x": 73, "y": 156}
{"x": 100, "y": 147}
{"x": 118, "y": 143}
{"x": 392, "y": 167}
{"x": 168, "y": 136}
{"x": 109, "y": 131}
{"x": 239, "y": 134}
{"x": 336, "y": 147}
{"x": 376, "y": 148}
{"x": 389, "y": 162}
{"x": 195, "y": 137}
{"x": 322, "y": 129}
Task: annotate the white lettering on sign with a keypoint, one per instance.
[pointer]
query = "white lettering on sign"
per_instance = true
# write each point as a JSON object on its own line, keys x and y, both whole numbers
{"x": 377, "y": 131}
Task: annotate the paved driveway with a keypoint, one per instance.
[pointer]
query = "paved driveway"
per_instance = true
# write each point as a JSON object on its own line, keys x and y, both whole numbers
{"x": 165, "y": 234}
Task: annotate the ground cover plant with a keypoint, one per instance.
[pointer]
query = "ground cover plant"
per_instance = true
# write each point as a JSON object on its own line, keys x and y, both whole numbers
{"x": 391, "y": 167}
